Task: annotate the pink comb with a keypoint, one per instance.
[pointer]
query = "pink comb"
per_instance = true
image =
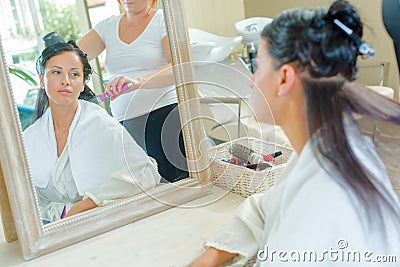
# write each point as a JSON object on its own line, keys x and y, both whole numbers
{"x": 102, "y": 97}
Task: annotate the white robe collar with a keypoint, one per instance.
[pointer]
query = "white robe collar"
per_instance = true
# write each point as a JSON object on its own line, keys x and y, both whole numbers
{"x": 98, "y": 146}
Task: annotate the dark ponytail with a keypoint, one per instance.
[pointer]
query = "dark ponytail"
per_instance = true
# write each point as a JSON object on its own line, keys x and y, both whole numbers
{"x": 326, "y": 57}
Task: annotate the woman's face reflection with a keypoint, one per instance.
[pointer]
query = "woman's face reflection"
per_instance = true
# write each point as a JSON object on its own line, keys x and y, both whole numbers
{"x": 63, "y": 79}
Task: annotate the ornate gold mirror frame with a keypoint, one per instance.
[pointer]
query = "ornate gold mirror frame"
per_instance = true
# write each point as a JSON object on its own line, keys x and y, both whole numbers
{"x": 15, "y": 179}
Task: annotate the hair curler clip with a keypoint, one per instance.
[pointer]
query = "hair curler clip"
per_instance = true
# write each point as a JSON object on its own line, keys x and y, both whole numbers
{"x": 362, "y": 46}
{"x": 52, "y": 38}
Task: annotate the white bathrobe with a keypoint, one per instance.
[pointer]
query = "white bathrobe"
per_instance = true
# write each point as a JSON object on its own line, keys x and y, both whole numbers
{"x": 308, "y": 214}
{"x": 101, "y": 160}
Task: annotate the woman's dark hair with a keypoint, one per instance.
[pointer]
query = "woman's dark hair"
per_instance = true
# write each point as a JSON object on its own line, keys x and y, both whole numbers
{"x": 42, "y": 101}
{"x": 326, "y": 58}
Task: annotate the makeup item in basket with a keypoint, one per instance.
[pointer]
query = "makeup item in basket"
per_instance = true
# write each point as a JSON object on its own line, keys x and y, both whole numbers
{"x": 259, "y": 166}
{"x": 250, "y": 156}
{"x": 102, "y": 97}
{"x": 234, "y": 160}
{"x": 64, "y": 212}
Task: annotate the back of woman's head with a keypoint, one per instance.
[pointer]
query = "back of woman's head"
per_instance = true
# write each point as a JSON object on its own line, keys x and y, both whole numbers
{"x": 323, "y": 45}
{"x": 42, "y": 101}
{"x": 311, "y": 40}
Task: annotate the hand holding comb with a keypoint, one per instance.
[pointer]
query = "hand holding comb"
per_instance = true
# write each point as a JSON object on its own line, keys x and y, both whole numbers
{"x": 102, "y": 97}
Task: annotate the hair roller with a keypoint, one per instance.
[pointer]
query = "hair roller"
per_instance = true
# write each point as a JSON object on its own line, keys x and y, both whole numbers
{"x": 318, "y": 23}
{"x": 362, "y": 47}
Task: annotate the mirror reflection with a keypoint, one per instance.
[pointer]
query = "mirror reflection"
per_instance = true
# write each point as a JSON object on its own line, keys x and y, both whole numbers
{"x": 80, "y": 156}
{"x": 228, "y": 41}
{"x": 68, "y": 173}
{"x": 137, "y": 49}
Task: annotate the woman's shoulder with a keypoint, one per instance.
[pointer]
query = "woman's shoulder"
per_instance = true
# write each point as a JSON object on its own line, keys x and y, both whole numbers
{"x": 322, "y": 212}
{"x": 108, "y": 22}
{"x": 159, "y": 13}
{"x": 35, "y": 126}
{"x": 89, "y": 107}
{"x": 93, "y": 114}
{"x": 310, "y": 187}
{"x": 31, "y": 129}
{"x": 159, "y": 16}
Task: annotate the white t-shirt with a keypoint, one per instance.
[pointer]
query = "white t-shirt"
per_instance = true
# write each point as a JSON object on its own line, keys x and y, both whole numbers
{"x": 143, "y": 56}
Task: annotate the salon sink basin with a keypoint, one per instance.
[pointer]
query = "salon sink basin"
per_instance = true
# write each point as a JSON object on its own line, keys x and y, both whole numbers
{"x": 250, "y": 29}
{"x": 210, "y": 47}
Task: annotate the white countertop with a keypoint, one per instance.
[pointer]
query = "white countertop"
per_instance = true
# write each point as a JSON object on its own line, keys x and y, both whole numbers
{"x": 170, "y": 238}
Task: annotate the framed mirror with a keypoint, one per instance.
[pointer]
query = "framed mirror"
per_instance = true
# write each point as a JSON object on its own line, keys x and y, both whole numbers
{"x": 37, "y": 239}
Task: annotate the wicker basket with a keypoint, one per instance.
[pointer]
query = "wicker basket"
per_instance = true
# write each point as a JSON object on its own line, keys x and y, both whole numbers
{"x": 242, "y": 180}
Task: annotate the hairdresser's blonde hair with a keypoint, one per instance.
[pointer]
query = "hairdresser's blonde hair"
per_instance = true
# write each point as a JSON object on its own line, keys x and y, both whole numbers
{"x": 152, "y": 3}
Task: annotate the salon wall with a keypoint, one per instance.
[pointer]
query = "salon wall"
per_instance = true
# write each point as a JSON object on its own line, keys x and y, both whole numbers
{"x": 374, "y": 33}
{"x": 214, "y": 16}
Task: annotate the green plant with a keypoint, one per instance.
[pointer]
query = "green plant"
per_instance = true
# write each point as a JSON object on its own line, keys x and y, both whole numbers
{"x": 23, "y": 74}
{"x": 25, "y": 109}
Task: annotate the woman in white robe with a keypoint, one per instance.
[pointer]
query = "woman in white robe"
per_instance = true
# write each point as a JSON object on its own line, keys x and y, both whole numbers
{"x": 79, "y": 156}
{"x": 333, "y": 205}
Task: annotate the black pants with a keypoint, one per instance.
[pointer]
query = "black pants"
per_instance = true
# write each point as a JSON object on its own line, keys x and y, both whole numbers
{"x": 159, "y": 134}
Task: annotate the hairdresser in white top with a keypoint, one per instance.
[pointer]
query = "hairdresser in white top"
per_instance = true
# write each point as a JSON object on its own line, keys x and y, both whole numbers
{"x": 334, "y": 204}
{"x": 137, "y": 52}
{"x": 79, "y": 156}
